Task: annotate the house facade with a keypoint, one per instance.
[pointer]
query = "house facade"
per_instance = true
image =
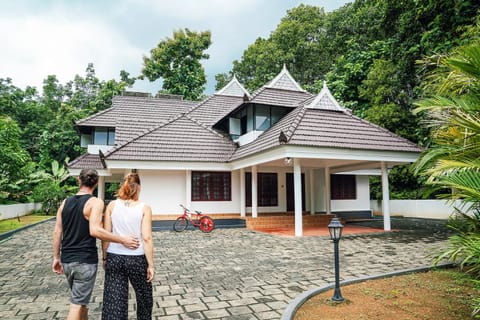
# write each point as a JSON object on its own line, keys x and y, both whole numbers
{"x": 279, "y": 149}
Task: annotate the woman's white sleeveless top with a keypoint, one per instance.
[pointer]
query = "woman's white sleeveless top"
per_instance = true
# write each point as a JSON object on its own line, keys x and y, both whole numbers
{"x": 126, "y": 221}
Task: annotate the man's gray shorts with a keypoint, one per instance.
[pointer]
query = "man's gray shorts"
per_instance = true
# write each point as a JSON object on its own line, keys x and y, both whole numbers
{"x": 81, "y": 280}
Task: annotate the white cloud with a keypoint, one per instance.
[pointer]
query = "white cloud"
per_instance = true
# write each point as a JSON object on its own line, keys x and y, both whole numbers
{"x": 41, "y": 45}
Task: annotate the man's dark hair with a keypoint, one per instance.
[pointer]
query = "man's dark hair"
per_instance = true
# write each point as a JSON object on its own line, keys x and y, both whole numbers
{"x": 88, "y": 177}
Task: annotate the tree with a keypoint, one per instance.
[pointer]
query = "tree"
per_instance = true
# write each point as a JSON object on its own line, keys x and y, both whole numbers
{"x": 299, "y": 41}
{"x": 177, "y": 61}
{"x": 15, "y": 162}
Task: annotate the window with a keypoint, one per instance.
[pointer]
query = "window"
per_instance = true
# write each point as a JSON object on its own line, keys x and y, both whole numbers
{"x": 343, "y": 187}
{"x": 211, "y": 186}
{"x": 267, "y": 189}
{"x": 262, "y": 118}
{"x": 104, "y": 136}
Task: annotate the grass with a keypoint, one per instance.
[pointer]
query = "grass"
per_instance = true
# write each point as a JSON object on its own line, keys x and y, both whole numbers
{"x": 15, "y": 223}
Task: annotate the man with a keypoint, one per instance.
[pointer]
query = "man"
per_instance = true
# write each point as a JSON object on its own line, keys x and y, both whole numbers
{"x": 79, "y": 223}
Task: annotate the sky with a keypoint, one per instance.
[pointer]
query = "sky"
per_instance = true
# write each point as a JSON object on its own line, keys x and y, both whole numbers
{"x": 60, "y": 37}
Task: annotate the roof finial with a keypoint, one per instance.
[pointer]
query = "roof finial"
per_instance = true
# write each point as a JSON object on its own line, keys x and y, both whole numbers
{"x": 324, "y": 84}
{"x": 284, "y": 67}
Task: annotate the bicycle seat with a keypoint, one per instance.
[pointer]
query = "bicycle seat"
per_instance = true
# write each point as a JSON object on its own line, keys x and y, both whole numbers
{"x": 198, "y": 212}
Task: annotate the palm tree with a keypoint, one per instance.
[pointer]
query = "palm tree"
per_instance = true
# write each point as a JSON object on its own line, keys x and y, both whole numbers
{"x": 453, "y": 160}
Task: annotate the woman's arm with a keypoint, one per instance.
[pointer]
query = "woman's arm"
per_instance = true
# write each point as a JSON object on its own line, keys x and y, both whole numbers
{"x": 107, "y": 225}
{"x": 148, "y": 241}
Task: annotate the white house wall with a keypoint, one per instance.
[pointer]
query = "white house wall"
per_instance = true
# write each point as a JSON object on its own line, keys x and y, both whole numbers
{"x": 164, "y": 190}
{"x": 363, "y": 198}
{"x": 361, "y": 203}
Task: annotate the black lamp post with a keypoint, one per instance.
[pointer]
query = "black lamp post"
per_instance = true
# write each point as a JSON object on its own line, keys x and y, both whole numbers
{"x": 335, "y": 228}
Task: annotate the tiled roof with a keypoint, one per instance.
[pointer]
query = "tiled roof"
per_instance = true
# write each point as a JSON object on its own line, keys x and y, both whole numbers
{"x": 211, "y": 110}
{"x": 280, "y": 97}
{"x": 324, "y": 128}
{"x": 181, "y": 139}
{"x": 133, "y": 115}
{"x": 86, "y": 161}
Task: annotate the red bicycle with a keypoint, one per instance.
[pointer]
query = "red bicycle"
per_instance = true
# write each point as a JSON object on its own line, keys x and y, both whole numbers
{"x": 204, "y": 222}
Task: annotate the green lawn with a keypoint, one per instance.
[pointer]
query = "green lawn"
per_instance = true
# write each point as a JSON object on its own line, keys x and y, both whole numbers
{"x": 15, "y": 223}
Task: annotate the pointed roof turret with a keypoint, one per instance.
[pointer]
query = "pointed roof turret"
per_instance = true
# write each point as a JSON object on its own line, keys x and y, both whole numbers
{"x": 325, "y": 101}
{"x": 233, "y": 88}
{"x": 284, "y": 80}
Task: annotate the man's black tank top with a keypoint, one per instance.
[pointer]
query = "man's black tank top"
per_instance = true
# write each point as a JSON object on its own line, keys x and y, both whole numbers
{"x": 77, "y": 244}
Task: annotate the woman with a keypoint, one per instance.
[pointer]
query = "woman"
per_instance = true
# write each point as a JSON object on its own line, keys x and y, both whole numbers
{"x": 126, "y": 216}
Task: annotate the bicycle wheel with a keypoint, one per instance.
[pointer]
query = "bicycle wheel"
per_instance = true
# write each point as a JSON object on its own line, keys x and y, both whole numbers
{"x": 207, "y": 224}
{"x": 180, "y": 224}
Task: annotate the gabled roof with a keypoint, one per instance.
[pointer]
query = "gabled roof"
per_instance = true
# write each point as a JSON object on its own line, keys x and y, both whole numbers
{"x": 285, "y": 81}
{"x": 325, "y": 100}
{"x": 326, "y": 128}
{"x": 234, "y": 89}
{"x": 181, "y": 139}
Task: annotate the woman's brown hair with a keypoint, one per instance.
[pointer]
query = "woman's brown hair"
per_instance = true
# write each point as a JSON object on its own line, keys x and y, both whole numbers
{"x": 130, "y": 189}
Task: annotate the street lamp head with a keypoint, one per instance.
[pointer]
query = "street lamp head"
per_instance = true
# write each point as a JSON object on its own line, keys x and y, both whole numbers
{"x": 335, "y": 227}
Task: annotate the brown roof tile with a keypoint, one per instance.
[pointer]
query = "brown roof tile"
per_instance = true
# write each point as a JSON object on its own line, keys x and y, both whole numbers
{"x": 214, "y": 108}
{"x": 280, "y": 97}
{"x": 182, "y": 139}
{"x": 86, "y": 161}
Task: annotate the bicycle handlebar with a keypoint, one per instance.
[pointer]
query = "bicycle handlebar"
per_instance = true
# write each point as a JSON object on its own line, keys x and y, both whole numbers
{"x": 186, "y": 209}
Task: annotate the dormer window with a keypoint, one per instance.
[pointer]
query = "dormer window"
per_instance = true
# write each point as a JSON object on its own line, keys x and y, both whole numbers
{"x": 104, "y": 136}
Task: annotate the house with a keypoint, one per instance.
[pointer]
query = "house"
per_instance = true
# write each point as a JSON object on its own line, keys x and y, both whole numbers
{"x": 276, "y": 150}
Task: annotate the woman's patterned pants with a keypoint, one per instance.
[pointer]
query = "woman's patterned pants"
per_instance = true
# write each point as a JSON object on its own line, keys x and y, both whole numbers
{"x": 118, "y": 271}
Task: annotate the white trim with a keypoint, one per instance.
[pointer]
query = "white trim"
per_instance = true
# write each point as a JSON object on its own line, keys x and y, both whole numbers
{"x": 101, "y": 172}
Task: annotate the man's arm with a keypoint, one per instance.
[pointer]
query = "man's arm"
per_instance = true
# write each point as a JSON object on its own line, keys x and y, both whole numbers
{"x": 56, "y": 241}
{"x": 96, "y": 229}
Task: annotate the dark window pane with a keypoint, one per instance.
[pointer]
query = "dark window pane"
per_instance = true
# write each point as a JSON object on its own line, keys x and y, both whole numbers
{"x": 211, "y": 186}
{"x": 343, "y": 187}
{"x": 267, "y": 189}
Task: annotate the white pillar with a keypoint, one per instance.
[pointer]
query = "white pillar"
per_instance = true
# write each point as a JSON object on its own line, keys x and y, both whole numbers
{"x": 242, "y": 193}
{"x": 328, "y": 196}
{"x": 254, "y": 193}
{"x": 188, "y": 188}
{"x": 386, "y": 198}
{"x": 297, "y": 183}
{"x": 312, "y": 192}
{"x": 101, "y": 187}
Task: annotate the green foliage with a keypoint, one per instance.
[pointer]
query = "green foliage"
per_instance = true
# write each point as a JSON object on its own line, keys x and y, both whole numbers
{"x": 177, "y": 61}
{"x": 299, "y": 41}
{"x": 52, "y": 187}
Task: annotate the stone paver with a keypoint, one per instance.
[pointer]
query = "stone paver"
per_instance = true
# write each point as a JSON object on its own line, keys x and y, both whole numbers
{"x": 227, "y": 274}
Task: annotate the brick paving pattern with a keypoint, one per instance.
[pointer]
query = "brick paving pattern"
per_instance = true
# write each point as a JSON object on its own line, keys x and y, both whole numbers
{"x": 228, "y": 274}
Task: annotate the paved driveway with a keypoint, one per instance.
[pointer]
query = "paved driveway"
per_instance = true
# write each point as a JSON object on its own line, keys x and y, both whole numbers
{"x": 228, "y": 274}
